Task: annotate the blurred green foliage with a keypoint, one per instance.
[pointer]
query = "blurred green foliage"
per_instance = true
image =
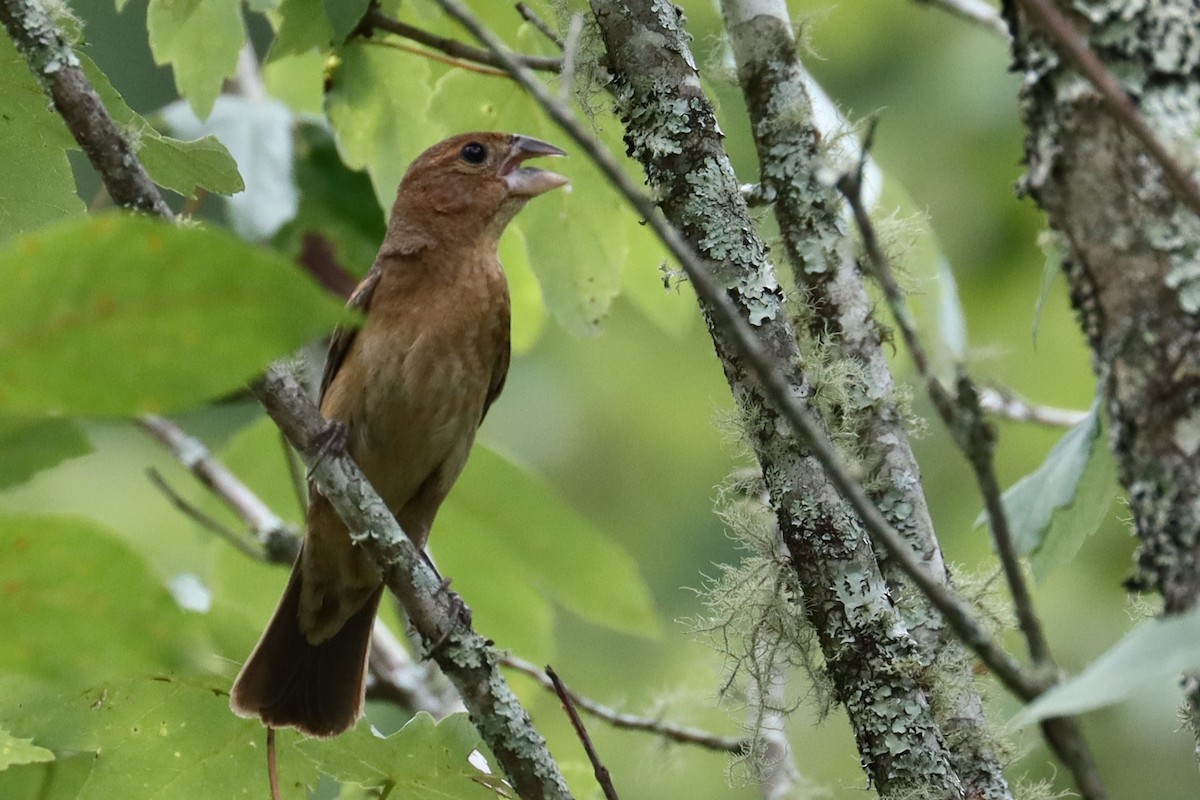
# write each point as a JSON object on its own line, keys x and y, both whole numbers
{"x": 613, "y": 409}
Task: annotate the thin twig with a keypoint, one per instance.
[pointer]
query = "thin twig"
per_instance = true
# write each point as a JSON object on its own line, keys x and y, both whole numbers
{"x": 961, "y": 415}
{"x": 1073, "y": 45}
{"x": 295, "y": 473}
{"x": 977, "y": 12}
{"x": 598, "y": 768}
{"x": 531, "y": 16}
{"x": 272, "y": 765}
{"x": 964, "y": 417}
{"x": 958, "y": 614}
{"x": 1009, "y": 405}
{"x": 460, "y": 63}
{"x": 278, "y": 538}
{"x": 618, "y": 719}
{"x": 452, "y": 47}
{"x": 208, "y": 522}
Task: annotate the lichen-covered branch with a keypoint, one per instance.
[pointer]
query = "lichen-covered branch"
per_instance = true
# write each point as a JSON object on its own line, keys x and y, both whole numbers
{"x": 838, "y": 316}
{"x": 671, "y": 131}
{"x": 1132, "y": 255}
{"x": 57, "y": 69}
{"x": 437, "y": 614}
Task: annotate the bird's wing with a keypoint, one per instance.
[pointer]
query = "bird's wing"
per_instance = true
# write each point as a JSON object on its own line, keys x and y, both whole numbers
{"x": 343, "y": 337}
{"x": 499, "y": 373}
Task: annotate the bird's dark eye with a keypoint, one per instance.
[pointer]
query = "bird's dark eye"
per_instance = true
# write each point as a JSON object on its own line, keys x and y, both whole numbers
{"x": 474, "y": 153}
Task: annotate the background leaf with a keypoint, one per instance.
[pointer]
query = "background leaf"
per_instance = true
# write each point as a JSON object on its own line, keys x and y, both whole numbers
{"x": 108, "y": 613}
{"x": 38, "y": 184}
{"x": 154, "y": 737}
{"x": 200, "y": 39}
{"x": 32, "y": 444}
{"x": 124, "y": 314}
{"x": 14, "y": 750}
{"x": 1053, "y": 509}
{"x": 1152, "y": 652}
{"x": 424, "y": 760}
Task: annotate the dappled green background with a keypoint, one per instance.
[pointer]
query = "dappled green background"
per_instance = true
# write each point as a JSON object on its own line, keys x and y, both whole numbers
{"x": 618, "y": 413}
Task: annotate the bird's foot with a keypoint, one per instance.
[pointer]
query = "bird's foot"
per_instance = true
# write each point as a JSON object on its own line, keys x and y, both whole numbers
{"x": 331, "y": 441}
{"x": 460, "y": 612}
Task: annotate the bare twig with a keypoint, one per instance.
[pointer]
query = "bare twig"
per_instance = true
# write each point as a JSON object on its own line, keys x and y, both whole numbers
{"x": 618, "y": 719}
{"x": 440, "y": 58}
{"x": 964, "y": 417}
{"x": 598, "y": 768}
{"x": 958, "y": 614}
{"x": 531, "y": 16}
{"x": 1009, "y": 405}
{"x": 279, "y": 539}
{"x": 452, "y": 47}
{"x": 272, "y": 765}
{"x": 1071, "y": 43}
{"x": 206, "y": 521}
{"x": 977, "y": 12}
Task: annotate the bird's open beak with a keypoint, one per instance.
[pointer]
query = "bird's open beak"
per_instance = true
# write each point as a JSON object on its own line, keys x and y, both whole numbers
{"x": 530, "y": 181}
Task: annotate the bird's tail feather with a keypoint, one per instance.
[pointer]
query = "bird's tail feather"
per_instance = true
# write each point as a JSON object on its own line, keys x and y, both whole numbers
{"x": 316, "y": 689}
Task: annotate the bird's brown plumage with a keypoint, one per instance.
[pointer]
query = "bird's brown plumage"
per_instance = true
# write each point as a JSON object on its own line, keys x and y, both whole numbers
{"x": 411, "y": 387}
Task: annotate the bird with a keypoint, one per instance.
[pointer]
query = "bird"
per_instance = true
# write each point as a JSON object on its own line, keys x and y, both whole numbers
{"x": 406, "y": 393}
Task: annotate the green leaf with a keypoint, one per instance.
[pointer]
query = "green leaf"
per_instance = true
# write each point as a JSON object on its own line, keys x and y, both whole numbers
{"x": 378, "y": 104}
{"x": 177, "y": 165}
{"x": 344, "y": 16}
{"x": 125, "y": 314}
{"x": 155, "y": 737}
{"x": 424, "y": 760}
{"x": 498, "y": 506}
{"x": 335, "y": 202}
{"x": 302, "y": 26}
{"x": 1153, "y": 652}
{"x": 78, "y": 604}
{"x": 258, "y": 132}
{"x": 1052, "y": 510}
{"x": 39, "y": 186}
{"x": 32, "y": 444}
{"x": 14, "y": 750}
{"x": 201, "y": 40}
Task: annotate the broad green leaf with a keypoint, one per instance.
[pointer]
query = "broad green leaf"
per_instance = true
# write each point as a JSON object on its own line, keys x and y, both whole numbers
{"x": 60, "y": 779}
{"x": 157, "y": 736}
{"x": 1054, "y": 508}
{"x": 39, "y": 186}
{"x": 302, "y": 26}
{"x": 78, "y": 604}
{"x": 499, "y": 506}
{"x": 1153, "y": 652}
{"x": 125, "y": 314}
{"x": 344, "y": 16}
{"x": 424, "y": 760}
{"x": 335, "y": 202}
{"x": 378, "y": 104}
{"x": 172, "y": 163}
{"x": 258, "y": 133}
{"x": 14, "y": 750}
{"x": 298, "y": 82}
{"x": 528, "y": 313}
{"x": 200, "y": 39}
{"x": 32, "y": 444}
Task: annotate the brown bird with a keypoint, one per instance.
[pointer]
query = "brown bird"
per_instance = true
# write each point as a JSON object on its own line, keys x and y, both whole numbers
{"x": 411, "y": 387}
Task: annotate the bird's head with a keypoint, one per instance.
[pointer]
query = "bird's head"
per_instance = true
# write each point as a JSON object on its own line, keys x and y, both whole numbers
{"x": 469, "y": 185}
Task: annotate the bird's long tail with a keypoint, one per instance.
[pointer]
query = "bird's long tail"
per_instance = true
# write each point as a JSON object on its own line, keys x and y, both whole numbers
{"x": 316, "y": 689}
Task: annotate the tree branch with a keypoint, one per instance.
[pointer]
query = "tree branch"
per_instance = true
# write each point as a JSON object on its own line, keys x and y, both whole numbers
{"x": 57, "y": 69}
{"x": 452, "y": 47}
{"x": 436, "y": 612}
